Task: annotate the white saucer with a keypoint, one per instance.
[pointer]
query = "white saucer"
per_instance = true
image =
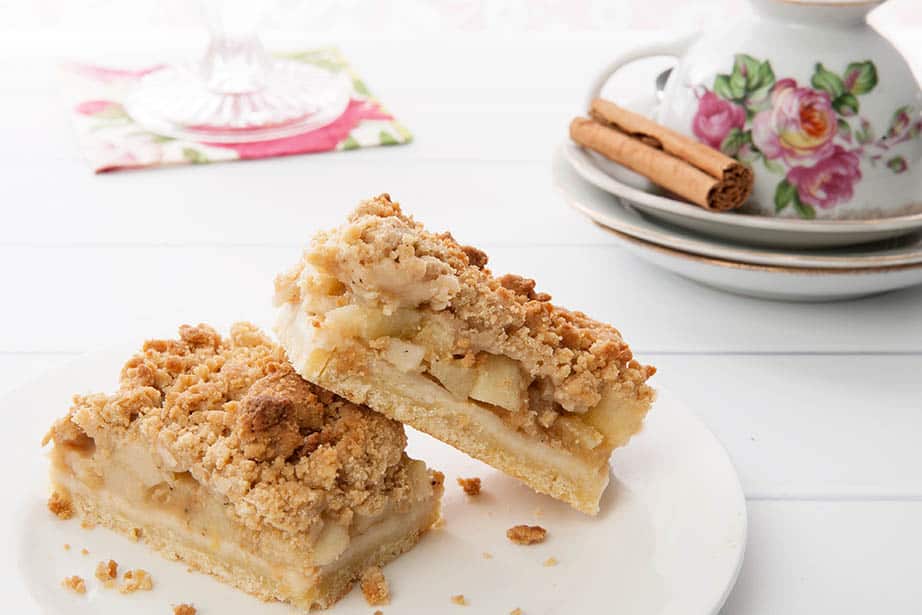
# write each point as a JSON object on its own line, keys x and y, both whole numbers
{"x": 614, "y": 212}
{"x": 669, "y": 540}
{"x": 735, "y": 226}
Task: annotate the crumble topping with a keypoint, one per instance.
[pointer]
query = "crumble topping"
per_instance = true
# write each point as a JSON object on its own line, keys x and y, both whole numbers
{"x": 233, "y": 414}
{"x": 471, "y": 486}
{"x": 459, "y": 600}
{"x": 382, "y": 256}
{"x": 61, "y": 506}
{"x": 107, "y": 572}
{"x": 374, "y": 587}
{"x": 136, "y": 580}
{"x": 526, "y": 534}
{"x": 184, "y": 609}
{"x": 75, "y": 584}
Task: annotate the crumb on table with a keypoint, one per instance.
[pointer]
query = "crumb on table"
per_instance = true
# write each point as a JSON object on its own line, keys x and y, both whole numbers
{"x": 551, "y": 561}
{"x": 84, "y": 551}
{"x": 487, "y": 555}
{"x": 60, "y": 505}
{"x": 107, "y": 572}
{"x": 184, "y": 609}
{"x": 75, "y": 584}
{"x": 66, "y": 547}
{"x": 459, "y": 600}
{"x": 471, "y": 485}
{"x": 526, "y": 534}
{"x": 378, "y": 613}
{"x": 374, "y": 586}
{"x": 136, "y": 580}
{"x": 515, "y": 611}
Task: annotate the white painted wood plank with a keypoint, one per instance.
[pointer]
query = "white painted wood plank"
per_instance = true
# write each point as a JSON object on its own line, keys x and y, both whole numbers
{"x": 279, "y": 201}
{"x": 809, "y": 426}
{"x": 21, "y": 368}
{"x": 847, "y": 558}
{"x": 78, "y": 297}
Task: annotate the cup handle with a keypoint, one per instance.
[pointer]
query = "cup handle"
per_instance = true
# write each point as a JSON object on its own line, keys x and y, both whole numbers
{"x": 673, "y": 48}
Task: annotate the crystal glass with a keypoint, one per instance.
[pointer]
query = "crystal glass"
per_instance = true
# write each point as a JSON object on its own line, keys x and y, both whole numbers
{"x": 237, "y": 92}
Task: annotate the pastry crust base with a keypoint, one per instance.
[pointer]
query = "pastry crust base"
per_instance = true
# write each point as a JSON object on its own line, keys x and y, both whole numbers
{"x": 322, "y": 588}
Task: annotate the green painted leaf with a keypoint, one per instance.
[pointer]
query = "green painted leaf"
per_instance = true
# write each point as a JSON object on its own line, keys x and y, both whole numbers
{"x": 403, "y": 131}
{"x": 773, "y": 166}
{"x": 722, "y": 87}
{"x": 349, "y": 143}
{"x": 827, "y": 81}
{"x": 785, "y": 193}
{"x": 766, "y": 75}
{"x": 160, "y": 138}
{"x": 737, "y": 85}
{"x": 846, "y": 104}
{"x": 845, "y": 131}
{"x": 748, "y": 67}
{"x": 865, "y": 134}
{"x": 804, "y": 210}
{"x": 897, "y": 164}
{"x": 901, "y": 122}
{"x": 734, "y": 140}
{"x": 387, "y": 139}
{"x": 359, "y": 86}
{"x": 860, "y": 77}
{"x": 194, "y": 156}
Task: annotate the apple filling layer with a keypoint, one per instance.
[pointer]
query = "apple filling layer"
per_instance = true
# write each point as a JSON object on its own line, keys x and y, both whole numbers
{"x": 414, "y": 325}
{"x": 214, "y": 451}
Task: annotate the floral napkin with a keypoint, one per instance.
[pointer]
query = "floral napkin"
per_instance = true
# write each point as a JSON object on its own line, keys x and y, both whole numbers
{"x": 110, "y": 140}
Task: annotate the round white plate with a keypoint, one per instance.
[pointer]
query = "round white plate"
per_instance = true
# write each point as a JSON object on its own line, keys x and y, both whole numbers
{"x": 669, "y": 539}
{"x": 735, "y": 226}
{"x": 613, "y": 212}
{"x": 771, "y": 282}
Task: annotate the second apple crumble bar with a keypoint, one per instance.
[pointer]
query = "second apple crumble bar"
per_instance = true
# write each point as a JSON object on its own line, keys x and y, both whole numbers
{"x": 215, "y": 452}
{"x": 414, "y": 325}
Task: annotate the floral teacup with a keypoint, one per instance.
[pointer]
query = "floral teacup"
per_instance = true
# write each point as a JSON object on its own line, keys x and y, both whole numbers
{"x": 822, "y": 107}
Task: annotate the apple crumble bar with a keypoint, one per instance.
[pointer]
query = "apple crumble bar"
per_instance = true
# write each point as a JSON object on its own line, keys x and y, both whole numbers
{"x": 215, "y": 452}
{"x": 414, "y": 325}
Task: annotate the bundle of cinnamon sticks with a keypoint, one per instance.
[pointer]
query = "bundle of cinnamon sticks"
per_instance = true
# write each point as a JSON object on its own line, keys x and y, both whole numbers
{"x": 679, "y": 164}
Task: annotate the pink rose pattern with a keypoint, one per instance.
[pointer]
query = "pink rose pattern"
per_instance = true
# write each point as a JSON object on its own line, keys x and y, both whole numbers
{"x": 812, "y": 135}
{"x": 715, "y": 118}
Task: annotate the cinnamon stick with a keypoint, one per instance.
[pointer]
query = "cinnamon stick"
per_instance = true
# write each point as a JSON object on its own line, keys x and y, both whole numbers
{"x": 692, "y": 170}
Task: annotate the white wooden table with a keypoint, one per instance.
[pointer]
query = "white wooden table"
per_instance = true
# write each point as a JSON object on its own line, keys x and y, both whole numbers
{"x": 820, "y": 406}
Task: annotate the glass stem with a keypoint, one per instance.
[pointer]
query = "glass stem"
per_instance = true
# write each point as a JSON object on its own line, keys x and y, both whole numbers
{"x": 236, "y": 61}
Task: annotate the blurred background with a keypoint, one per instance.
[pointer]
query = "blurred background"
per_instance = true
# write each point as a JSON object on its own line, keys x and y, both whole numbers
{"x": 23, "y": 18}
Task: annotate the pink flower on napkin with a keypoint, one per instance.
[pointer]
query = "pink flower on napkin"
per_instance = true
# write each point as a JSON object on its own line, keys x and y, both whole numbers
{"x": 323, "y": 139}
{"x": 715, "y": 118}
{"x": 799, "y": 126}
{"x": 828, "y": 182}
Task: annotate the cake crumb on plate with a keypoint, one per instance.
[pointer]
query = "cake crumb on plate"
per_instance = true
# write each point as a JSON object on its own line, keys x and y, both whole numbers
{"x": 515, "y": 611}
{"x": 471, "y": 485}
{"x": 136, "y": 580}
{"x": 60, "y": 505}
{"x": 526, "y": 534}
{"x": 184, "y": 609}
{"x": 459, "y": 600}
{"x": 374, "y": 586}
{"x": 75, "y": 584}
{"x": 551, "y": 561}
{"x": 487, "y": 555}
{"x": 107, "y": 572}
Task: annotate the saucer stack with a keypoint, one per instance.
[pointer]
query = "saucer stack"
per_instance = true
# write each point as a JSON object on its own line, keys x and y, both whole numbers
{"x": 794, "y": 260}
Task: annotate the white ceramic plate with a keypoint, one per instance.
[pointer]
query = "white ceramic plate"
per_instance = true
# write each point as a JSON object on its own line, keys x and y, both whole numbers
{"x": 612, "y": 212}
{"x": 669, "y": 540}
{"x": 735, "y": 226}
{"x": 770, "y": 282}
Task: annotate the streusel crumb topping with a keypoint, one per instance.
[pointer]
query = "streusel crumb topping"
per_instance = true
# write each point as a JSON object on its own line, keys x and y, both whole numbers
{"x": 233, "y": 413}
{"x": 382, "y": 256}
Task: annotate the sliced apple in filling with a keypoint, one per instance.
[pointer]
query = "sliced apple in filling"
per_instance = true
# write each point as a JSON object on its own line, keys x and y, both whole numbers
{"x": 419, "y": 330}
{"x": 215, "y": 452}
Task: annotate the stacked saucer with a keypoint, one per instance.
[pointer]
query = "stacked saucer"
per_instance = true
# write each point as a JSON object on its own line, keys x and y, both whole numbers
{"x": 794, "y": 260}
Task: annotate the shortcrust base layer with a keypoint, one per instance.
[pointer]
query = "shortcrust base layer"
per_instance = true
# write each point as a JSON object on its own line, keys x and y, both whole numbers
{"x": 380, "y": 545}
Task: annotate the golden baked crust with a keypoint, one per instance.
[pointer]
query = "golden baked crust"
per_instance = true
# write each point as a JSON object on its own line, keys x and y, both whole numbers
{"x": 233, "y": 414}
{"x": 577, "y": 355}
